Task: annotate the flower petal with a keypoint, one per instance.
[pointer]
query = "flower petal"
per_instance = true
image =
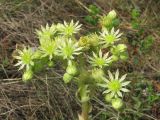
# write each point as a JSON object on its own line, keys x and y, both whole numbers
{"x": 125, "y": 83}
{"x": 124, "y": 90}
{"x": 119, "y": 93}
{"x": 117, "y": 74}
{"x": 106, "y": 91}
{"x": 110, "y": 75}
{"x": 123, "y": 78}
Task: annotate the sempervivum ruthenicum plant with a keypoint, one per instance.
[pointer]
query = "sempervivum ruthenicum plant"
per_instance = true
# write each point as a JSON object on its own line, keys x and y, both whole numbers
{"x": 86, "y": 60}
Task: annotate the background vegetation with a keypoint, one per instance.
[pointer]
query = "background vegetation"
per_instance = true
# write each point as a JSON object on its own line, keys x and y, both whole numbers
{"x": 47, "y": 97}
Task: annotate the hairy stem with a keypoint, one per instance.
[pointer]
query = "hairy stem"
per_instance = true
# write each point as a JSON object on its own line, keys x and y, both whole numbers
{"x": 85, "y": 110}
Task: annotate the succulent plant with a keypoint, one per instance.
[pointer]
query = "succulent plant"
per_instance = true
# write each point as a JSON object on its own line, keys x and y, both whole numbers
{"x": 84, "y": 61}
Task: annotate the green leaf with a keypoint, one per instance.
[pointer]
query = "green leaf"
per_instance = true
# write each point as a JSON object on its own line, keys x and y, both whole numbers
{"x": 92, "y": 20}
{"x": 135, "y": 13}
{"x": 94, "y": 10}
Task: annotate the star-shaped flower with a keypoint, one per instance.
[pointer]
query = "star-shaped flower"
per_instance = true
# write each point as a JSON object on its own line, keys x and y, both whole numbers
{"x": 25, "y": 58}
{"x": 68, "y": 48}
{"x": 48, "y": 48}
{"x": 109, "y": 37}
{"x": 115, "y": 85}
{"x": 46, "y": 33}
{"x": 68, "y": 29}
{"x": 100, "y": 60}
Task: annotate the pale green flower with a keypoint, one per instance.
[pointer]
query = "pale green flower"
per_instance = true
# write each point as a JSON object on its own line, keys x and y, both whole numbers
{"x": 48, "y": 48}
{"x": 25, "y": 58}
{"x": 109, "y": 37}
{"x": 46, "y": 33}
{"x": 115, "y": 85}
{"x": 100, "y": 60}
{"x": 68, "y": 48}
{"x": 68, "y": 29}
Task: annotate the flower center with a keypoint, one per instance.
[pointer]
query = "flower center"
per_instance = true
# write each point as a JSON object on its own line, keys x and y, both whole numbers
{"x": 68, "y": 51}
{"x": 26, "y": 58}
{"x": 100, "y": 61}
{"x": 114, "y": 85}
{"x": 69, "y": 30}
{"x": 110, "y": 38}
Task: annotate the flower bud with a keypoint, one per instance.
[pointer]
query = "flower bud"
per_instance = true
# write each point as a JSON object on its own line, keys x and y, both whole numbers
{"x": 27, "y": 75}
{"x": 72, "y": 69}
{"x": 114, "y": 58}
{"x": 108, "y": 98}
{"x": 112, "y": 15}
{"x": 98, "y": 75}
{"x": 67, "y": 77}
{"x": 121, "y": 47}
{"x": 93, "y": 40}
{"x": 124, "y": 56}
{"x": 37, "y": 54}
{"x": 84, "y": 42}
{"x": 105, "y": 22}
{"x": 117, "y": 103}
{"x": 50, "y": 63}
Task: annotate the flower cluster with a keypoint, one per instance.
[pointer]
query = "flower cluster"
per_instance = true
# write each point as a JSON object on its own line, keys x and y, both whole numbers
{"x": 85, "y": 59}
{"x": 55, "y": 41}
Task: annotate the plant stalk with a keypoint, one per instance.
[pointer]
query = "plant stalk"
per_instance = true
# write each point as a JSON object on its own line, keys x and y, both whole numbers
{"x": 85, "y": 110}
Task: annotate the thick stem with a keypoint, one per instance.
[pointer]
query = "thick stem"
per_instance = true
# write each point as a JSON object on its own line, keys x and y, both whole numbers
{"x": 85, "y": 110}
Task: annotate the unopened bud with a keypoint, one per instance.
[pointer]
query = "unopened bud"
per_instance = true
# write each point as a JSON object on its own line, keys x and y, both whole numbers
{"x": 108, "y": 98}
{"x": 27, "y": 75}
{"x": 98, "y": 75}
{"x": 67, "y": 77}
{"x": 112, "y": 15}
{"x": 117, "y": 103}
{"x": 72, "y": 69}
